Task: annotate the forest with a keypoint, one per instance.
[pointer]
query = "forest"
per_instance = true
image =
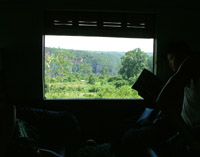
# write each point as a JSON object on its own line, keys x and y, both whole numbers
{"x": 74, "y": 74}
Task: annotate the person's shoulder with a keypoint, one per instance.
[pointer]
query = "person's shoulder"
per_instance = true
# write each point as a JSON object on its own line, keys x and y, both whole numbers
{"x": 192, "y": 60}
{"x": 195, "y": 57}
{"x": 191, "y": 64}
{"x": 189, "y": 67}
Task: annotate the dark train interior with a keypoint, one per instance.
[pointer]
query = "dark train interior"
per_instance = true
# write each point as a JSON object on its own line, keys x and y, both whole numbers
{"x": 24, "y": 25}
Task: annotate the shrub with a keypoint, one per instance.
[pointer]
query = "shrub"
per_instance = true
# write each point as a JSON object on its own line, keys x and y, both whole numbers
{"x": 92, "y": 79}
{"x": 94, "y": 89}
{"x": 121, "y": 83}
{"x": 115, "y": 78}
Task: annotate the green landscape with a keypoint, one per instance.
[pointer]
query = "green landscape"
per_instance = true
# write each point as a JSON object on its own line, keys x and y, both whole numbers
{"x": 74, "y": 74}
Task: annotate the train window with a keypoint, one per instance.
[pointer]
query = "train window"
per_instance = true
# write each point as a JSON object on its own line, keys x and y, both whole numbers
{"x": 95, "y": 55}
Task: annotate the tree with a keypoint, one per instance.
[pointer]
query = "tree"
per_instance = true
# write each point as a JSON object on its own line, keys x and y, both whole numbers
{"x": 92, "y": 79}
{"x": 104, "y": 71}
{"x": 48, "y": 62}
{"x": 149, "y": 63}
{"x": 132, "y": 63}
{"x": 85, "y": 69}
{"x": 57, "y": 65}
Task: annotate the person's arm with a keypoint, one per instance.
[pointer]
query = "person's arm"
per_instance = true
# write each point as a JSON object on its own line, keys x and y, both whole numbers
{"x": 168, "y": 98}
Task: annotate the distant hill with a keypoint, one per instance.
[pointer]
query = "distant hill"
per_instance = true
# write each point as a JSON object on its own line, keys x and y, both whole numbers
{"x": 84, "y": 61}
{"x": 108, "y": 61}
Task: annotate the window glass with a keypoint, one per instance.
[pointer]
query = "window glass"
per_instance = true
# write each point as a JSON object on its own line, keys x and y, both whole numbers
{"x": 92, "y": 67}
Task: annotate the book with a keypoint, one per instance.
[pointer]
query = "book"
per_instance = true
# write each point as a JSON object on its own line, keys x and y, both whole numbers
{"x": 148, "y": 85}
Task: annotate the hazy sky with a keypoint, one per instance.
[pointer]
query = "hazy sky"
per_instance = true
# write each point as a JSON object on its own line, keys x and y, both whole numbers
{"x": 99, "y": 43}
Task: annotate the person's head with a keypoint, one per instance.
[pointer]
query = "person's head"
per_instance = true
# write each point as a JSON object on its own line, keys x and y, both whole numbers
{"x": 176, "y": 52}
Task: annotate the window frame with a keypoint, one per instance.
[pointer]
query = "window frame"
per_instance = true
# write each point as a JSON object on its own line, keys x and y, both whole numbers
{"x": 75, "y": 30}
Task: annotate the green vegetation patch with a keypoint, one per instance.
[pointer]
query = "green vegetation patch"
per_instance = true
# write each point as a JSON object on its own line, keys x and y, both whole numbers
{"x": 86, "y": 74}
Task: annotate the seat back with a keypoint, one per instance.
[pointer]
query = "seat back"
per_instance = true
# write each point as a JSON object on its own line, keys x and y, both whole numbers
{"x": 7, "y": 124}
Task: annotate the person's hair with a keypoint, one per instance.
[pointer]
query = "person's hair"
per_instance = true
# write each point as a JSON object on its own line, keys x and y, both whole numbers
{"x": 179, "y": 48}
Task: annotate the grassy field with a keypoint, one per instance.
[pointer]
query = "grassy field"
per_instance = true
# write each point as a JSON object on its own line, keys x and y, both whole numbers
{"x": 82, "y": 89}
